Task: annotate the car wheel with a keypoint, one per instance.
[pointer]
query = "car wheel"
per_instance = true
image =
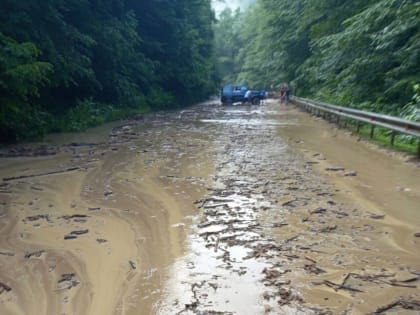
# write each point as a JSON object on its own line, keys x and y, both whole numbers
{"x": 255, "y": 101}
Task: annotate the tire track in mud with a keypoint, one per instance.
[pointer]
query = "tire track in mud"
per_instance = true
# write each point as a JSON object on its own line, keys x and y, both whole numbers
{"x": 271, "y": 231}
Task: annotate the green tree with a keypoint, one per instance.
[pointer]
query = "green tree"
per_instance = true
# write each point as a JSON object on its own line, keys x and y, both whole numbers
{"x": 21, "y": 77}
{"x": 130, "y": 55}
{"x": 372, "y": 60}
{"x": 228, "y": 43}
{"x": 351, "y": 52}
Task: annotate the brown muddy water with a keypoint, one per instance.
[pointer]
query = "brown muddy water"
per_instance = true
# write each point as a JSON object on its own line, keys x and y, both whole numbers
{"x": 211, "y": 210}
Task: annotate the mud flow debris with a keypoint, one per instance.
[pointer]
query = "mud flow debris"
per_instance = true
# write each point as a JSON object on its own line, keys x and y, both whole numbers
{"x": 210, "y": 210}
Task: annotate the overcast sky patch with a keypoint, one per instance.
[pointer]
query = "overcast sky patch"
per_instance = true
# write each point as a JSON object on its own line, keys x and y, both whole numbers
{"x": 220, "y": 5}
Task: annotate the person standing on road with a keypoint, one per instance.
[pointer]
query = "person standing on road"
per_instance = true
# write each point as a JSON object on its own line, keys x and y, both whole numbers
{"x": 282, "y": 93}
{"x": 287, "y": 92}
{"x": 264, "y": 95}
{"x": 247, "y": 97}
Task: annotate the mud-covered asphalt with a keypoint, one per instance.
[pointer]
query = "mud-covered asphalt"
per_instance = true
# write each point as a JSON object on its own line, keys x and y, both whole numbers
{"x": 209, "y": 210}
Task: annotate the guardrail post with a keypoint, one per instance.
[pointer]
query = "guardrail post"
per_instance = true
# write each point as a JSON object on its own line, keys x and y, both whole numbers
{"x": 359, "y": 124}
{"x": 418, "y": 150}
{"x": 393, "y": 137}
{"x": 372, "y": 130}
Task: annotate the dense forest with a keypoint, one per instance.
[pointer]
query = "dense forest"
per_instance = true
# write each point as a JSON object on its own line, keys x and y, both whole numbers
{"x": 70, "y": 64}
{"x": 359, "y": 53}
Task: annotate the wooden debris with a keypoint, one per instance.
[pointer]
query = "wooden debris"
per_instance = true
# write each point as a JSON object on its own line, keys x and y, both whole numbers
{"x": 66, "y": 170}
{"x": 335, "y": 168}
{"x": 312, "y": 162}
{"x": 336, "y": 286}
{"x": 68, "y": 281}
{"x": 278, "y": 225}
{"x": 377, "y": 216}
{"x": 213, "y": 206}
{"x": 378, "y": 279}
{"x": 36, "y": 254}
{"x": 396, "y": 283}
{"x": 216, "y": 246}
{"x": 36, "y": 188}
{"x": 191, "y": 306}
{"x": 352, "y": 173}
{"x": 30, "y": 151}
{"x": 271, "y": 273}
{"x": 288, "y": 201}
{"x": 292, "y": 238}
{"x": 312, "y": 268}
{"x": 407, "y": 304}
{"x": 310, "y": 259}
{"x": 66, "y": 277}
{"x": 36, "y": 217}
{"x": 132, "y": 265}
{"x": 79, "y": 232}
{"x": 318, "y": 211}
{"x": 74, "y": 216}
{"x": 328, "y": 229}
{"x": 4, "y": 288}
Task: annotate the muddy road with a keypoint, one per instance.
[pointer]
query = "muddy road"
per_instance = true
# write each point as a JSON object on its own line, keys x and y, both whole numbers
{"x": 210, "y": 210}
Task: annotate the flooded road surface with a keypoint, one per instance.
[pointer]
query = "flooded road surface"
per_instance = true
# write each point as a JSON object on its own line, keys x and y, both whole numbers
{"x": 211, "y": 210}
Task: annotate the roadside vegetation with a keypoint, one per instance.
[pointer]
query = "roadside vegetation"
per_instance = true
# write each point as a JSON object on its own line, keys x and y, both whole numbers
{"x": 68, "y": 65}
{"x": 361, "y": 54}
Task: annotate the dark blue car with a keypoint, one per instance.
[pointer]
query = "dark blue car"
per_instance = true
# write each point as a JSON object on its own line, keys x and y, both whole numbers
{"x": 236, "y": 93}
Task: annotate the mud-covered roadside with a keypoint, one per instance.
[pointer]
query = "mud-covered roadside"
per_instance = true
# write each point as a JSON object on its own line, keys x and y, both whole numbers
{"x": 212, "y": 210}
{"x": 276, "y": 236}
{"x": 89, "y": 226}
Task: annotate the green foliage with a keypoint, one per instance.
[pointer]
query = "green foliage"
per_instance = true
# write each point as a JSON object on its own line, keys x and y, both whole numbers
{"x": 160, "y": 99}
{"x": 356, "y": 53}
{"x": 382, "y": 137}
{"x": 411, "y": 111}
{"x": 21, "y": 77}
{"x": 228, "y": 43}
{"x": 133, "y": 55}
{"x": 21, "y": 74}
{"x": 372, "y": 59}
{"x": 88, "y": 113}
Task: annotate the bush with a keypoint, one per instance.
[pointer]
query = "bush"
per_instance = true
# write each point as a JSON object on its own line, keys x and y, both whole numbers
{"x": 23, "y": 122}
{"x": 411, "y": 111}
{"x": 158, "y": 98}
{"x": 87, "y": 114}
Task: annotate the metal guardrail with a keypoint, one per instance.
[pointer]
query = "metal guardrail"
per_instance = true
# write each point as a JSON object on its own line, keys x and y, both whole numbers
{"x": 397, "y": 125}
